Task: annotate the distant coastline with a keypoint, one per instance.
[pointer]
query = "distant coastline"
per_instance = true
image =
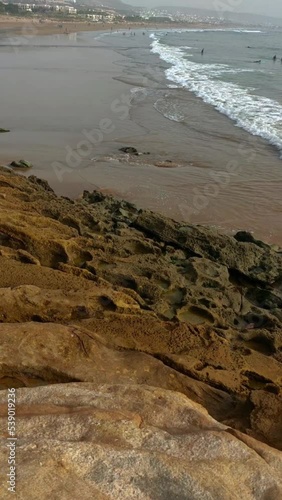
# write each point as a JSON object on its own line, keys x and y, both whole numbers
{"x": 33, "y": 26}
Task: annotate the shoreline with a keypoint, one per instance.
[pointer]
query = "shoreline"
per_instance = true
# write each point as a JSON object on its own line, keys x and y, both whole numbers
{"x": 33, "y": 27}
{"x": 170, "y": 190}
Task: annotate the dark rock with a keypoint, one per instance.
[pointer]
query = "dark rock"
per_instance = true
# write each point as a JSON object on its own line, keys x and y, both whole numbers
{"x": 94, "y": 197}
{"x": 258, "y": 263}
{"x": 20, "y": 164}
{"x": 4, "y": 130}
{"x": 41, "y": 182}
{"x": 129, "y": 150}
{"x": 246, "y": 237}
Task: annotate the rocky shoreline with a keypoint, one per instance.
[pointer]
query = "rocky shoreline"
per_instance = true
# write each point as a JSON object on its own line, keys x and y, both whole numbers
{"x": 146, "y": 354}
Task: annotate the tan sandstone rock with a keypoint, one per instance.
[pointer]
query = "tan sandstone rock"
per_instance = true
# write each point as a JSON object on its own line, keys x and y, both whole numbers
{"x": 131, "y": 442}
{"x": 115, "y": 324}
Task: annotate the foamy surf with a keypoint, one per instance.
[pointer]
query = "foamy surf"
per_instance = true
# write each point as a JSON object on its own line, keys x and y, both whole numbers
{"x": 169, "y": 110}
{"x": 260, "y": 116}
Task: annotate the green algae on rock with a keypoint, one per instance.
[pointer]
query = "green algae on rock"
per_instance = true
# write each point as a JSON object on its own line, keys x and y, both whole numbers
{"x": 21, "y": 164}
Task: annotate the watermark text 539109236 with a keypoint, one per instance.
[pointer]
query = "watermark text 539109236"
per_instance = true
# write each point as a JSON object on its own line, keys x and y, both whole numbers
{"x": 11, "y": 440}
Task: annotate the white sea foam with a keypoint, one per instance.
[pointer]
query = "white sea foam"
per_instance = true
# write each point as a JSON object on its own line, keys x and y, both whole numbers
{"x": 169, "y": 109}
{"x": 203, "y": 30}
{"x": 258, "y": 115}
{"x": 138, "y": 94}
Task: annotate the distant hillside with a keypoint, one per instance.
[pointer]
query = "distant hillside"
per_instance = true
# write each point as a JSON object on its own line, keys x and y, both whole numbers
{"x": 237, "y": 17}
{"x": 117, "y": 5}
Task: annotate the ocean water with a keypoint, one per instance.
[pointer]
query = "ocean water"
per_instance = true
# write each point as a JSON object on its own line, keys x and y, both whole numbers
{"x": 226, "y": 76}
{"x": 217, "y": 109}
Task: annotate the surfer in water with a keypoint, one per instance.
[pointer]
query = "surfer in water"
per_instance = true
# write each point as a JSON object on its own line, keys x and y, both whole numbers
{"x": 274, "y": 58}
{"x": 202, "y": 52}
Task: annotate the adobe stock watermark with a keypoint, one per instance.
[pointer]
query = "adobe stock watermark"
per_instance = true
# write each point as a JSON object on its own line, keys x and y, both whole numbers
{"x": 11, "y": 440}
{"x": 90, "y": 139}
{"x": 202, "y": 197}
{"x": 119, "y": 107}
{"x": 94, "y": 137}
{"x": 219, "y": 181}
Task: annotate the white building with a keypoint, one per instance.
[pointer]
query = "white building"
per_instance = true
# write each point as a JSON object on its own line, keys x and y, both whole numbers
{"x": 26, "y": 6}
{"x": 95, "y": 17}
{"x": 68, "y": 9}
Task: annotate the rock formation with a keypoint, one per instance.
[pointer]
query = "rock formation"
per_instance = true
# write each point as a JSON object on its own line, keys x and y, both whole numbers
{"x": 85, "y": 440}
{"x": 146, "y": 354}
{"x": 21, "y": 164}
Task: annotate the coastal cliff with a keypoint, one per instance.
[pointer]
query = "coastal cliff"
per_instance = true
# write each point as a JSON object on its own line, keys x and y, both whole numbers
{"x": 146, "y": 354}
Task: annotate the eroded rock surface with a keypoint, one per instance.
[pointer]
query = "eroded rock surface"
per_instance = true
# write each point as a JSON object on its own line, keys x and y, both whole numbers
{"x": 131, "y": 441}
{"x": 97, "y": 291}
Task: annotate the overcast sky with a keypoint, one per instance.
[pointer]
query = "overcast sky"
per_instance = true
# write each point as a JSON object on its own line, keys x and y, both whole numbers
{"x": 268, "y": 7}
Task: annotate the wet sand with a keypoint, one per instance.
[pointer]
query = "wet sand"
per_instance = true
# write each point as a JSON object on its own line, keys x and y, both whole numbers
{"x": 221, "y": 176}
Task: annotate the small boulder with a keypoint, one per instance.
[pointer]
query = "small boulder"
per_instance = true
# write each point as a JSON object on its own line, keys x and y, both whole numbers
{"x": 20, "y": 164}
{"x": 129, "y": 150}
{"x": 246, "y": 237}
